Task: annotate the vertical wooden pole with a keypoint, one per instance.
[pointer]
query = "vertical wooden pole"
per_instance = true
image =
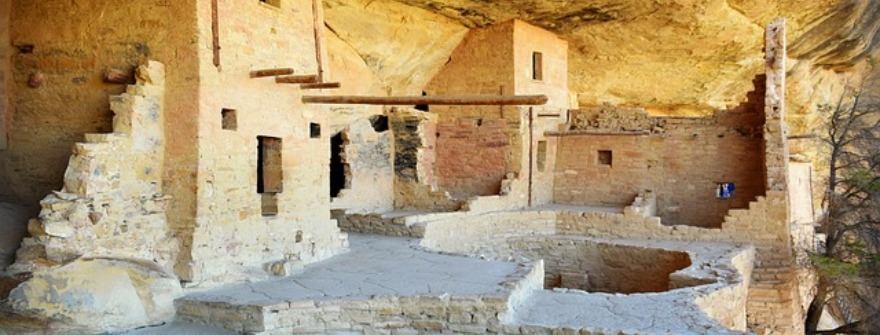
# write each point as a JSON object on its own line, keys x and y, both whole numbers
{"x": 531, "y": 152}
{"x": 215, "y": 32}
{"x": 318, "y": 14}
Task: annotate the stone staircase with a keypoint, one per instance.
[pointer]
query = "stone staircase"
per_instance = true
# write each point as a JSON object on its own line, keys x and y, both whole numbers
{"x": 772, "y": 293}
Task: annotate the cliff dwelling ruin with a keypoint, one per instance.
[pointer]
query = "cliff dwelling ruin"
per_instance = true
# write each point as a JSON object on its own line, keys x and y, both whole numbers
{"x": 410, "y": 167}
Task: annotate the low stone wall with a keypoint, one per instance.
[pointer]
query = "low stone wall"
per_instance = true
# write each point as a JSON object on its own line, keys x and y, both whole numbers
{"x": 584, "y": 264}
{"x": 394, "y": 314}
{"x": 563, "y": 237}
{"x": 381, "y": 224}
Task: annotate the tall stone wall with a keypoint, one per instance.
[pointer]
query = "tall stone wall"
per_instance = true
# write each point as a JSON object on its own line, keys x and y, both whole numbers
{"x": 681, "y": 160}
{"x": 501, "y": 60}
{"x": 238, "y": 225}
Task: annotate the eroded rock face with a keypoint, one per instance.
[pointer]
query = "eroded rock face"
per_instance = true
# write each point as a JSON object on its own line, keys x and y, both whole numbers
{"x": 100, "y": 294}
{"x": 674, "y": 57}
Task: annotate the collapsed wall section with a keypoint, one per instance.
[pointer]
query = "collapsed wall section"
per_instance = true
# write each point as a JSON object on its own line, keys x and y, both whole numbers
{"x": 112, "y": 203}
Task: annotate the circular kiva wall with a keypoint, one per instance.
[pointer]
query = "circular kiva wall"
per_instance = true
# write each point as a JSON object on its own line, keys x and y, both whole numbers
{"x": 582, "y": 264}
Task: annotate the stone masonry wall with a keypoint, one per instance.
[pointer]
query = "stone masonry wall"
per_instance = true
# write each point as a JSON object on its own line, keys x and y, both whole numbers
{"x": 232, "y": 238}
{"x": 368, "y": 155}
{"x": 415, "y": 181}
{"x": 602, "y": 267}
{"x": 681, "y": 160}
{"x": 384, "y": 314}
{"x": 473, "y": 156}
{"x": 112, "y": 202}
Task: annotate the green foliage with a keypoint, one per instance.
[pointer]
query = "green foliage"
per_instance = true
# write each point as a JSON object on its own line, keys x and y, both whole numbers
{"x": 834, "y": 268}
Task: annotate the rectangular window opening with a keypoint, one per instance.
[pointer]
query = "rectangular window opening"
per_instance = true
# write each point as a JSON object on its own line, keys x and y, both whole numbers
{"x": 273, "y": 3}
{"x": 542, "y": 155}
{"x": 605, "y": 157}
{"x": 537, "y": 66}
{"x": 269, "y": 173}
{"x": 314, "y": 130}
{"x": 229, "y": 119}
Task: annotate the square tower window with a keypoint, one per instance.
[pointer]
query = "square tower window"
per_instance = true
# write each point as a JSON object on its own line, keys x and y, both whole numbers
{"x": 314, "y": 130}
{"x": 537, "y": 66}
{"x": 605, "y": 157}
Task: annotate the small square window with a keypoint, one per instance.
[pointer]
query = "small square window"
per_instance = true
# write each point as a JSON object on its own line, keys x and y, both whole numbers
{"x": 314, "y": 130}
{"x": 537, "y": 66}
{"x": 605, "y": 157}
{"x": 230, "y": 119}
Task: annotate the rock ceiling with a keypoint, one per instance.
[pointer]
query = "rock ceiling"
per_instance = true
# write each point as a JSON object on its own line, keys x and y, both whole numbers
{"x": 670, "y": 56}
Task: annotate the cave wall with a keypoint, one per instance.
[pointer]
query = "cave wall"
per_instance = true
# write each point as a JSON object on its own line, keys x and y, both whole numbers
{"x": 5, "y": 71}
{"x": 72, "y": 99}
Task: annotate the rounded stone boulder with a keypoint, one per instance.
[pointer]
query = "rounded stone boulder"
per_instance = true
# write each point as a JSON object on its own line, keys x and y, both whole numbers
{"x": 101, "y": 294}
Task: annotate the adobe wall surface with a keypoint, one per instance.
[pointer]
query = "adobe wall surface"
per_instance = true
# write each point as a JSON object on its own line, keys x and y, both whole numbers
{"x": 528, "y": 39}
{"x": 72, "y": 99}
{"x": 230, "y": 227}
{"x": 681, "y": 160}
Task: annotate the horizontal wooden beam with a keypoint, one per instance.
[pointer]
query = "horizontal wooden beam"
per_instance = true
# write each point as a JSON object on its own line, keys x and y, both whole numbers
{"x": 319, "y": 86}
{"x": 303, "y": 79}
{"x": 464, "y": 100}
{"x": 271, "y": 72}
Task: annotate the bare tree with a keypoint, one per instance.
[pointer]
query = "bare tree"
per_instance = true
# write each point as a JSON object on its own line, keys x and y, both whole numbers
{"x": 848, "y": 263}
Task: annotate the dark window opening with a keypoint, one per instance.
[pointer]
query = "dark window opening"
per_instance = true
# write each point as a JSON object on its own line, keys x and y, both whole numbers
{"x": 338, "y": 167}
{"x": 229, "y": 119}
{"x": 274, "y": 3}
{"x": 379, "y": 123}
{"x": 542, "y": 155}
{"x": 314, "y": 130}
{"x": 423, "y": 107}
{"x": 605, "y": 157}
{"x": 269, "y": 173}
{"x": 537, "y": 66}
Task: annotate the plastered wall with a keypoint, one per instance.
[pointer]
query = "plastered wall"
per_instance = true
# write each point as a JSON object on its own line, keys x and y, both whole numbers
{"x": 682, "y": 164}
